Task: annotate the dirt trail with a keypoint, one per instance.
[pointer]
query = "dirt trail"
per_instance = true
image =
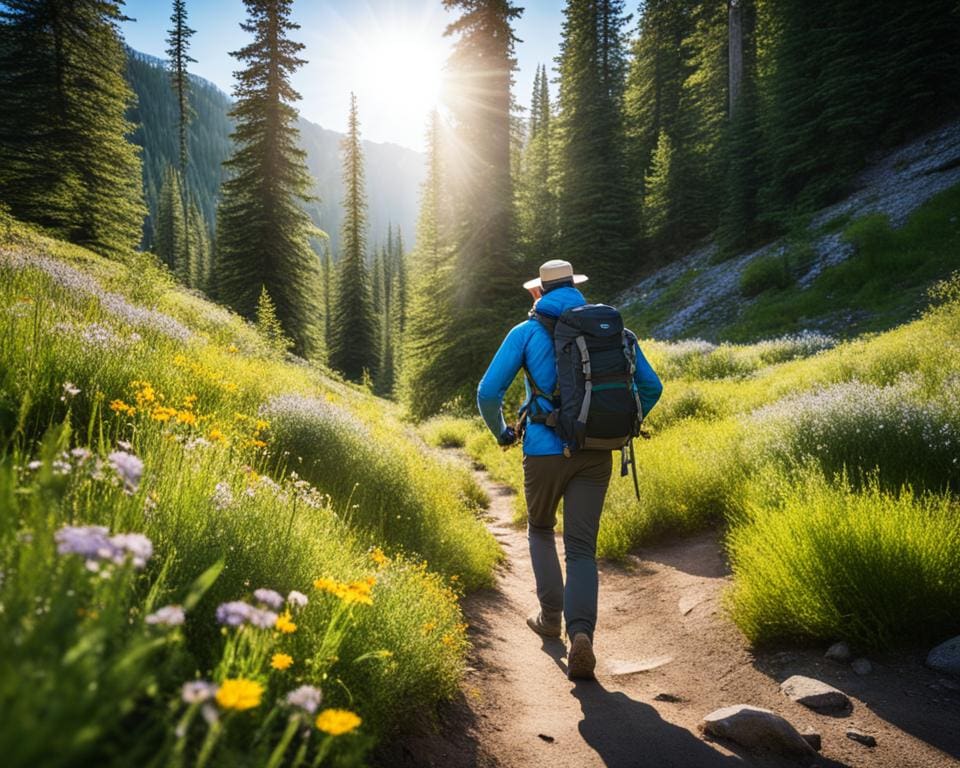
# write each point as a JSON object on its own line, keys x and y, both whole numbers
{"x": 661, "y": 630}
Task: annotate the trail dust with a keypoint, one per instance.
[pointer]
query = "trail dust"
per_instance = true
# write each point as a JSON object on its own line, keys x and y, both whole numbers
{"x": 667, "y": 655}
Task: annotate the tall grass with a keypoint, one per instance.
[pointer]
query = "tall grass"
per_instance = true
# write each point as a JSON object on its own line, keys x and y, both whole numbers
{"x": 100, "y": 359}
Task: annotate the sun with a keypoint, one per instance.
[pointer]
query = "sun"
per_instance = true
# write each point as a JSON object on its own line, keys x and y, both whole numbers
{"x": 399, "y": 75}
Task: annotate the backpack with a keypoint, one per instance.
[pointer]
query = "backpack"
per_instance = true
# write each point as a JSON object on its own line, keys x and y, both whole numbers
{"x": 596, "y": 404}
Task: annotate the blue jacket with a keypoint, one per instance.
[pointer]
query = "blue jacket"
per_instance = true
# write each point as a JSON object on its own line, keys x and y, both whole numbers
{"x": 529, "y": 344}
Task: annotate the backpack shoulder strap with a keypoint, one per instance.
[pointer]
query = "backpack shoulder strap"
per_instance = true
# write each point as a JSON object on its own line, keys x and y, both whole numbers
{"x": 548, "y": 322}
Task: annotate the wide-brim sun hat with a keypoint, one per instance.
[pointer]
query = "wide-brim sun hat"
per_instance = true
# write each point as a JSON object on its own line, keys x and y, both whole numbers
{"x": 555, "y": 271}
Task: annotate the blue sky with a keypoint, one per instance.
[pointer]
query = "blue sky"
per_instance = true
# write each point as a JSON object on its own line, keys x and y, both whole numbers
{"x": 349, "y": 43}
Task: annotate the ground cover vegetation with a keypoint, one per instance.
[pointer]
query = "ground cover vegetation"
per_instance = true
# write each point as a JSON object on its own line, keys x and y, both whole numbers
{"x": 208, "y": 552}
{"x": 833, "y": 467}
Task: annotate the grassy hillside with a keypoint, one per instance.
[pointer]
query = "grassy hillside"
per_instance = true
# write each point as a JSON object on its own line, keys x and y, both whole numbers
{"x": 834, "y": 468}
{"x": 159, "y": 462}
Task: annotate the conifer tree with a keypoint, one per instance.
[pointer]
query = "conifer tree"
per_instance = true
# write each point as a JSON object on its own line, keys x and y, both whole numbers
{"x": 595, "y": 212}
{"x": 199, "y": 248}
{"x": 426, "y": 376}
{"x": 268, "y": 324}
{"x": 178, "y": 42}
{"x": 353, "y": 337}
{"x": 480, "y": 71}
{"x": 65, "y": 160}
{"x": 400, "y": 283}
{"x": 170, "y": 229}
{"x": 263, "y": 231}
{"x": 660, "y": 193}
{"x": 537, "y": 209}
{"x": 328, "y": 291}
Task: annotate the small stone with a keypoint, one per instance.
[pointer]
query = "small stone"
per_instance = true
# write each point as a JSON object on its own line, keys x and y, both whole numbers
{"x": 838, "y": 652}
{"x": 814, "y": 693}
{"x": 546, "y": 738}
{"x": 667, "y": 697}
{"x": 864, "y": 738}
{"x": 946, "y": 657}
{"x": 756, "y": 728}
{"x": 862, "y": 666}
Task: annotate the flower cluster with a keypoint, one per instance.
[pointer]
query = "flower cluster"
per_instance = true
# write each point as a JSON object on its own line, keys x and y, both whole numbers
{"x": 237, "y": 613}
{"x": 348, "y": 592}
{"x": 95, "y": 544}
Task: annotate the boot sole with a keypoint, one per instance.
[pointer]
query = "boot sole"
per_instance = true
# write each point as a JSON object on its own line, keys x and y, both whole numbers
{"x": 581, "y": 662}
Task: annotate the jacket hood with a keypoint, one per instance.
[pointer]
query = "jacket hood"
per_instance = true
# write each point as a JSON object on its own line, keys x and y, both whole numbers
{"x": 559, "y": 300}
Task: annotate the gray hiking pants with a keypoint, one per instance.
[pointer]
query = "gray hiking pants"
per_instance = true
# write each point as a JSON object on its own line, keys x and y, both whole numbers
{"x": 581, "y": 481}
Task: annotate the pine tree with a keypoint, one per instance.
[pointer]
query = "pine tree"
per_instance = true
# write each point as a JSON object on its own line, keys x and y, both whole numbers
{"x": 328, "y": 291}
{"x": 426, "y": 376}
{"x": 269, "y": 326}
{"x": 353, "y": 337}
{"x": 660, "y": 193}
{"x": 537, "y": 204}
{"x": 178, "y": 42}
{"x": 65, "y": 160}
{"x": 480, "y": 71}
{"x": 199, "y": 247}
{"x": 594, "y": 203}
{"x": 170, "y": 228}
{"x": 262, "y": 231}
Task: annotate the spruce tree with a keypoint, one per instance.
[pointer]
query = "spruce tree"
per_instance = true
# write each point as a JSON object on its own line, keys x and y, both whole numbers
{"x": 480, "y": 72}
{"x": 263, "y": 231}
{"x": 354, "y": 335}
{"x": 65, "y": 160}
{"x": 269, "y": 326}
{"x": 594, "y": 205}
{"x": 178, "y": 42}
{"x": 537, "y": 195}
{"x": 328, "y": 291}
{"x": 170, "y": 228}
{"x": 426, "y": 376}
{"x": 660, "y": 193}
{"x": 199, "y": 247}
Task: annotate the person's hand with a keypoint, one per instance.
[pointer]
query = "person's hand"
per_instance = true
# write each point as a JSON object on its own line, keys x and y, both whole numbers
{"x": 508, "y": 437}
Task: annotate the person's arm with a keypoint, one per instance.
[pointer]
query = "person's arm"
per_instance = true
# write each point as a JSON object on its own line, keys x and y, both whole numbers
{"x": 649, "y": 386}
{"x": 493, "y": 386}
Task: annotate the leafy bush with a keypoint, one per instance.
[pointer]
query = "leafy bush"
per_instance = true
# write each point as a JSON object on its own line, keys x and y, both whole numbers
{"x": 820, "y": 561}
{"x": 764, "y": 273}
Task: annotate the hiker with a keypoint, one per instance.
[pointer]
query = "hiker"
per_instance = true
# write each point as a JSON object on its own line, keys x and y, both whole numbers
{"x": 554, "y": 468}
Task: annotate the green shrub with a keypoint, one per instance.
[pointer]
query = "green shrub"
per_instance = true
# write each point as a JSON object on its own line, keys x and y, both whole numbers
{"x": 764, "y": 273}
{"x": 819, "y": 561}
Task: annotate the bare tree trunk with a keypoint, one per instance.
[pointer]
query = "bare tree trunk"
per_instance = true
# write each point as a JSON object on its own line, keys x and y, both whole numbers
{"x": 735, "y": 54}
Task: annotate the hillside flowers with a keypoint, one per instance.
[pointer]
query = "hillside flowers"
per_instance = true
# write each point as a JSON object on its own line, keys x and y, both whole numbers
{"x": 97, "y": 547}
{"x": 168, "y": 616}
{"x": 129, "y": 469}
{"x": 337, "y": 722}
{"x": 239, "y": 694}
{"x": 281, "y": 661}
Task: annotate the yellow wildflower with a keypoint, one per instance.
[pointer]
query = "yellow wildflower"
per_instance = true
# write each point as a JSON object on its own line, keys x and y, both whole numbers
{"x": 217, "y": 436}
{"x": 379, "y": 557}
{"x": 230, "y": 386}
{"x": 260, "y": 424}
{"x": 337, "y": 722}
{"x": 163, "y": 413}
{"x": 239, "y": 694}
{"x": 187, "y": 417}
{"x": 232, "y": 349}
{"x": 447, "y": 639}
{"x": 285, "y": 623}
{"x": 189, "y": 401}
{"x": 281, "y": 661}
{"x": 118, "y": 406}
{"x": 257, "y": 444}
{"x": 428, "y": 627}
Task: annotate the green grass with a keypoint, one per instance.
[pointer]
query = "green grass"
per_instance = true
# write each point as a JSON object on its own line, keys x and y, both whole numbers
{"x": 881, "y": 285}
{"x": 766, "y": 273}
{"x": 185, "y": 386}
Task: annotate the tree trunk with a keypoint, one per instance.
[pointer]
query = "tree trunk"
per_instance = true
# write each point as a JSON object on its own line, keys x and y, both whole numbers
{"x": 735, "y": 55}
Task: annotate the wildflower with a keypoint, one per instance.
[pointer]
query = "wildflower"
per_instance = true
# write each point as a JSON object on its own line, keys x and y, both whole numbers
{"x": 222, "y": 496}
{"x": 239, "y": 694}
{"x": 281, "y": 661}
{"x": 269, "y": 597}
{"x": 135, "y": 545}
{"x": 128, "y": 467}
{"x": 285, "y": 624}
{"x": 337, "y": 722}
{"x": 118, "y": 406}
{"x": 260, "y": 424}
{"x": 257, "y": 443}
{"x": 94, "y": 543}
{"x": 80, "y": 454}
{"x": 428, "y": 627}
{"x": 447, "y": 639}
{"x": 297, "y": 599}
{"x": 263, "y": 619}
{"x": 69, "y": 391}
{"x": 306, "y": 697}
{"x": 187, "y": 417}
{"x": 34, "y": 465}
{"x": 233, "y": 613}
{"x": 232, "y": 349}
{"x": 197, "y": 691}
{"x": 168, "y": 616}
{"x": 162, "y": 413}
{"x": 216, "y": 435}
{"x": 379, "y": 557}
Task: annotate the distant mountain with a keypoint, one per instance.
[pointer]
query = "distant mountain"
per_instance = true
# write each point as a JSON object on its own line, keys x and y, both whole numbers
{"x": 393, "y": 172}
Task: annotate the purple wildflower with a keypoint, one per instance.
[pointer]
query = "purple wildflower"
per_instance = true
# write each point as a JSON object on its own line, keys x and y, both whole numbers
{"x": 306, "y": 697}
{"x": 89, "y": 541}
{"x": 128, "y": 467}
{"x": 262, "y": 618}
{"x": 197, "y": 691}
{"x": 269, "y": 597}
{"x": 297, "y": 599}
{"x": 168, "y": 616}
{"x": 234, "y": 613}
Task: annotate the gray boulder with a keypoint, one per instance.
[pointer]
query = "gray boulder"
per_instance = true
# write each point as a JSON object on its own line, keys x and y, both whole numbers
{"x": 814, "y": 693}
{"x": 946, "y": 657}
{"x": 838, "y": 652}
{"x": 756, "y": 728}
{"x": 862, "y": 666}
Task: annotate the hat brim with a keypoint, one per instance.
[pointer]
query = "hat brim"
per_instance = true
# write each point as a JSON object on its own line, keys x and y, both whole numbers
{"x": 535, "y": 283}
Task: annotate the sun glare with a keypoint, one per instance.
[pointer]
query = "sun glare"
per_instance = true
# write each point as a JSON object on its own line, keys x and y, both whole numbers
{"x": 399, "y": 75}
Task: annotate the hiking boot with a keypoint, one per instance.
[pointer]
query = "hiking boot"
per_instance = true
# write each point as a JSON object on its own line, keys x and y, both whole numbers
{"x": 543, "y": 626}
{"x": 580, "y": 660}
